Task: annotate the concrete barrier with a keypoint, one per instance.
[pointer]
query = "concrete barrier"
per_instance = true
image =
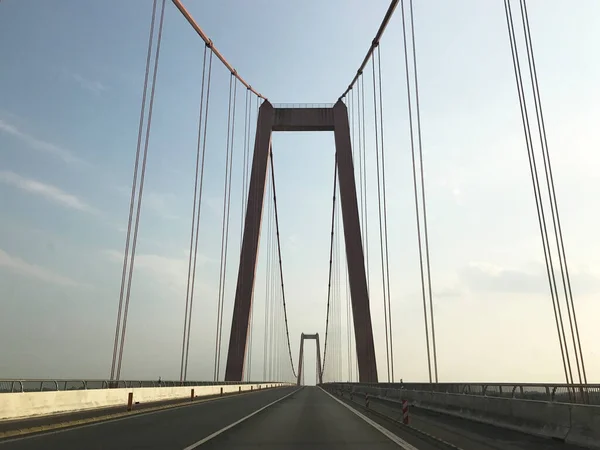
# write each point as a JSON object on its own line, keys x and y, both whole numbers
{"x": 585, "y": 426}
{"x": 576, "y": 424}
{"x": 572, "y": 423}
{"x": 18, "y": 405}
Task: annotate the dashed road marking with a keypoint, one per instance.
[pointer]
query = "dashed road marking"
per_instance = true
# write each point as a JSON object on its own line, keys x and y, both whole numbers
{"x": 237, "y": 422}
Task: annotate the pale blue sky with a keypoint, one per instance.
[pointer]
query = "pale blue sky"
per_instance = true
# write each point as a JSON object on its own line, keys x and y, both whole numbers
{"x": 70, "y": 92}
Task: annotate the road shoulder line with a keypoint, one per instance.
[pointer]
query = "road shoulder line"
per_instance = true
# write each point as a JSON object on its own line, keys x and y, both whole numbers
{"x": 391, "y": 436}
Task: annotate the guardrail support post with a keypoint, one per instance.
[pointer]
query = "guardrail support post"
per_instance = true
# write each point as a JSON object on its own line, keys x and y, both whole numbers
{"x": 192, "y": 395}
{"x": 129, "y": 401}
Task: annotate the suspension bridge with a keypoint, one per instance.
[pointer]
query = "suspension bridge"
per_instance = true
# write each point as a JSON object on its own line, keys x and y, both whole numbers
{"x": 257, "y": 395}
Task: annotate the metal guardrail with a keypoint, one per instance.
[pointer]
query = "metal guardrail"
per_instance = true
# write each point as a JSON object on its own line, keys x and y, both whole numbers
{"x": 33, "y": 385}
{"x": 559, "y": 393}
{"x": 303, "y": 105}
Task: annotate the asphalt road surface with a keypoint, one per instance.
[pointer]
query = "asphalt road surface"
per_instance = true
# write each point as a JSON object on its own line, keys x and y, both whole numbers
{"x": 285, "y": 418}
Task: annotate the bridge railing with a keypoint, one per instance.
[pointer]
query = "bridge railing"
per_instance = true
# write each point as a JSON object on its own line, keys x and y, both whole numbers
{"x": 44, "y": 385}
{"x": 559, "y": 393}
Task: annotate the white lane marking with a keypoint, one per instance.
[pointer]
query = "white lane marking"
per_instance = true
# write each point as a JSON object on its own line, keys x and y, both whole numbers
{"x": 237, "y": 422}
{"x": 392, "y": 437}
{"x": 74, "y": 427}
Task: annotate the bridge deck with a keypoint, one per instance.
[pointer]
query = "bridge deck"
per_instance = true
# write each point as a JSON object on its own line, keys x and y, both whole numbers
{"x": 304, "y": 419}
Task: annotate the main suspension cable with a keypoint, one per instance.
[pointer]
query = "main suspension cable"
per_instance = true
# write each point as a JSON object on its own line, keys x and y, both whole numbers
{"x": 374, "y": 43}
{"x": 210, "y": 43}
{"x": 141, "y": 186}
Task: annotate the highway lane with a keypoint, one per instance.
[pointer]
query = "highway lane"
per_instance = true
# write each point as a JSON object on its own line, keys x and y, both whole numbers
{"x": 310, "y": 419}
{"x": 161, "y": 430}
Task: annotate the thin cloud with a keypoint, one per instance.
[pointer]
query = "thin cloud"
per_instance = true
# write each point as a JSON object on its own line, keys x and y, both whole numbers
{"x": 93, "y": 86}
{"x": 447, "y": 292}
{"x": 49, "y": 192}
{"x": 169, "y": 271}
{"x": 159, "y": 203}
{"x": 21, "y": 267}
{"x": 38, "y": 144}
{"x": 457, "y": 195}
{"x": 483, "y": 277}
